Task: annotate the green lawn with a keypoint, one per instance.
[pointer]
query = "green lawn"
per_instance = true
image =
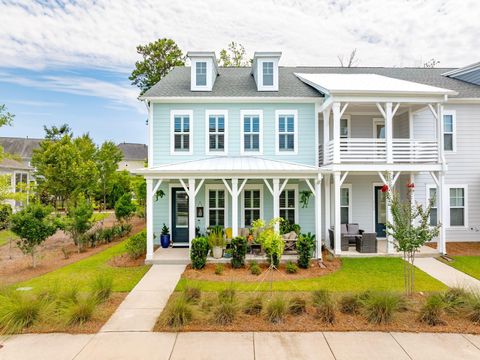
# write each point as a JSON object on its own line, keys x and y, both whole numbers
{"x": 82, "y": 272}
{"x": 355, "y": 275}
{"x": 468, "y": 264}
{"x": 5, "y": 236}
{"x": 99, "y": 216}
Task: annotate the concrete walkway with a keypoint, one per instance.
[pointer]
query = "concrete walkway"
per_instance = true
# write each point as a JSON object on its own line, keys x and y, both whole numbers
{"x": 141, "y": 308}
{"x": 447, "y": 274}
{"x": 239, "y": 346}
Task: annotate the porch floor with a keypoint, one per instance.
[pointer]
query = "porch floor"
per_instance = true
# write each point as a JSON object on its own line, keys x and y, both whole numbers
{"x": 425, "y": 251}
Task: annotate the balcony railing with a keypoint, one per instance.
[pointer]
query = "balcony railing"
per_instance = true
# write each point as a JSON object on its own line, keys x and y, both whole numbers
{"x": 360, "y": 150}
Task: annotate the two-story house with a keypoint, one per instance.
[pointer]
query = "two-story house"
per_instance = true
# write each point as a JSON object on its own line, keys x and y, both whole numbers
{"x": 230, "y": 145}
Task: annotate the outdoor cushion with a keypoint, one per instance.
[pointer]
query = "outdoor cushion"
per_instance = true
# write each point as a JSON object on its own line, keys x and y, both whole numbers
{"x": 228, "y": 233}
{"x": 353, "y": 229}
{"x": 343, "y": 229}
{"x": 244, "y": 232}
{"x": 292, "y": 235}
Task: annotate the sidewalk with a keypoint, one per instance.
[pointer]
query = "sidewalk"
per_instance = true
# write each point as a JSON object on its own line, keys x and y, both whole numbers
{"x": 141, "y": 308}
{"x": 447, "y": 274}
{"x": 239, "y": 346}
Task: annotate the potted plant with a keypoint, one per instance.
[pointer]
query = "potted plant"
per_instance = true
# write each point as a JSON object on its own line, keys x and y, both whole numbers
{"x": 216, "y": 241}
{"x": 165, "y": 237}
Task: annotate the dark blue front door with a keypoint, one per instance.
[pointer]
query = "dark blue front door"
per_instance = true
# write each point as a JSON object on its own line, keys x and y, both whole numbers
{"x": 380, "y": 211}
{"x": 179, "y": 216}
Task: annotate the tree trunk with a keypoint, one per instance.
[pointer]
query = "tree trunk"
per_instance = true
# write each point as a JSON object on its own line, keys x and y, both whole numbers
{"x": 34, "y": 262}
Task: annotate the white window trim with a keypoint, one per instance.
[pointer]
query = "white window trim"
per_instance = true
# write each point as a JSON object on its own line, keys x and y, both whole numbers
{"x": 427, "y": 198}
{"x": 349, "y": 125}
{"x": 296, "y": 208}
{"x": 209, "y": 113}
{"x": 453, "y": 113}
{"x": 207, "y": 203}
{"x": 278, "y": 113}
{"x": 193, "y": 77}
{"x": 242, "y": 201}
{"x": 260, "y": 86}
{"x": 174, "y": 113}
{"x": 465, "y": 206}
{"x": 14, "y": 179}
{"x": 376, "y": 121}
{"x": 350, "y": 207}
{"x": 196, "y": 73}
{"x": 258, "y": 113}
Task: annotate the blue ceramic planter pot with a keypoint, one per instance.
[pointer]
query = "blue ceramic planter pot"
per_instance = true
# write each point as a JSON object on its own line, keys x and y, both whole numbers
{"x": 165, "y": 241}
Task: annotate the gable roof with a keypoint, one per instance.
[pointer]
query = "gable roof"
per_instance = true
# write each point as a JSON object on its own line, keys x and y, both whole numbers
{"x": 10, "y": 164}
{"x": 22, "y": 147}
{"x": 133, "y": 151}
{"x": 238, "y": 82}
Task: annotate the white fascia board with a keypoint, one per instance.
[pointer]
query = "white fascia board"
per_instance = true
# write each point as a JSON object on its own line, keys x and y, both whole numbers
{"x": 463, "y": 101}
{"x": 227, "y": 99}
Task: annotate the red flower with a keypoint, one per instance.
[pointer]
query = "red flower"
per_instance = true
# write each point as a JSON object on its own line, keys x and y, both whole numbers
{"x": 411, "y": 185}
{"x": 385, "y": 188}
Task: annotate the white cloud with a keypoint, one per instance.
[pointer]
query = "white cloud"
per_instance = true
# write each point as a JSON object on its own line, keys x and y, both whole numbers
{"x": 104, "y": 34}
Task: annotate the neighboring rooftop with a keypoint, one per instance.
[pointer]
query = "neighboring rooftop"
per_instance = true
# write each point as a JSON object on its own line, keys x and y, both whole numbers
{"x": 22, "y": 147}
{"x": 10, "y": 164}
{"x": 238, "y": 82}
{"x": 133, "y": 151}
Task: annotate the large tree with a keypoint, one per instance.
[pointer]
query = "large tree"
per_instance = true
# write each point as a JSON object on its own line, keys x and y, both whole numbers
{"x": 234, "y": 55}
{"x": 159, "y": 57}
{"x": 107, "y": 158}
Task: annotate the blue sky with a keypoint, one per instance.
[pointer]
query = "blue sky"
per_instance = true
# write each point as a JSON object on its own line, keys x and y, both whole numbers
{"x": 69, "y": 61}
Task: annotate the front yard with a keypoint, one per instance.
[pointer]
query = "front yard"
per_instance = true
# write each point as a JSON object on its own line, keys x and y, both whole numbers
{"x": 468, "y": 264}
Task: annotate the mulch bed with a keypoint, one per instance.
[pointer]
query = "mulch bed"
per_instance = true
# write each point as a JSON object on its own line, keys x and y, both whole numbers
{"x": 16, "y": 267}
{"x": 244, "y": 274}
{"x": 460, "y": 248}
{"x": 125, "y": 260}
{"x": 406, "y": 321}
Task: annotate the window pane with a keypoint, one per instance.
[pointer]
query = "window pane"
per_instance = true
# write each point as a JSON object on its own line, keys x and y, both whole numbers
{"x": 246, "y": 124}
{"x": 344, "y": 215}
{"x": 221, "y": 198}
{"x": 344, "y": 127}
{"x": 178, "y": 142}
{"x": 211, "y": 124}
{"x": 281, "y": 124}
{"x": 247, "y": 199}
{"x": 186, "y": 142}
{"x": 448, "y": 123}
{"x": 256, "y": 124}
{"x": 256, "y": 199}
{"x": 186, "y": 124}
{"x": 213, "y": 142}
{"x": 290, "y": 142}
{"x": 201, "y": 68}
{"x": 344, "y": 197}
{"x": 457, "y": 217}
{"x": 433, "y": 217}
{"x": 178, "y": 124}
{"x": 290, "y": 198}
{"x": 248, "y": 217}
{"x": 268, "y": 73}
{"x": 448, "y": 142}
{"x": 181, "y": 211}
{"x": 433, "y": 195}
{"x": 290, "y": 124}
{"x": 456, "y": 197}
{"x": 255, "y": 142}
{"x": 212, "y": 199}
{"x": 246, "y": 142}
{"x": 281, "y": 142}
{"x": 220, "y": 142}
{"x": 282, "y": 199}
{"x": 221, "y": 124}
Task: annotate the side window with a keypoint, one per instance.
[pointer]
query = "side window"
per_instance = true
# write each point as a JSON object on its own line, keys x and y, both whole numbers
{"x": 287, "y": 205}
{"x": 449, "y": 131}
{"x": 201, "y": 73}
{"x": 251, "y": 205}
{"x": 268, "y": 73}
{"x": 216, "y": 207}
{"x": 432, "y": 194}
{"x": 457, "y": 206}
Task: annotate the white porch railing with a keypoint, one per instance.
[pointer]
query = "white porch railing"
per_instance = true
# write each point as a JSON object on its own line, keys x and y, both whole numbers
{"x": 368, "y": 150}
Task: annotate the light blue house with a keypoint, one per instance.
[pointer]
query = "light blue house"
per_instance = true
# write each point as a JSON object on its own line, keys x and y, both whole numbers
{"x": 231, "y": 145}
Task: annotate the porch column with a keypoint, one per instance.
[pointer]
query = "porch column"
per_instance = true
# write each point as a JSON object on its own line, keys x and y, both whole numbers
{"x": 191, "y": 211}
{"x": 440, "y": 131}
{"x": 276, "y": 201}
{"x": 389, "y": 132}
{"x": 234, "y": 195}
{"x": 327, "y": 208}
{"x": 390, "y": 182}
{"x": 149, "y": 219}
{"x": 326, "y": 133}
{"x": 442, "y": 206}
{"x": 318, "y": 217}
{"x": 337, "y": 230}
{"x": 336, "y": 132}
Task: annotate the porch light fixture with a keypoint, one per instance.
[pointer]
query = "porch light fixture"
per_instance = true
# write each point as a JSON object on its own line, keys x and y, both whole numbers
{"x": 200, "y": 210}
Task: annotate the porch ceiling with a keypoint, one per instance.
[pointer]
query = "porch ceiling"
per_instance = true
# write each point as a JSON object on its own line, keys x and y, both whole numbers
{"x": 246, "y": 166}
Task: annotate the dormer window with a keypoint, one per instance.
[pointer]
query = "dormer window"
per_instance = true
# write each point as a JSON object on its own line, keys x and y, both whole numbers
{"x": 201, "y": 75}
{"x": 268, "y": 73}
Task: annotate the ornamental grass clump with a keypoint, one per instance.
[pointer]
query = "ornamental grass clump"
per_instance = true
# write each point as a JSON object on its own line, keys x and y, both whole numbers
{"x": 227, "y": 295}
{"x": 291, "y": 268}
{"x": 297, "y": 306}
{"x": 432, "y": 311}
{"x": 325, "y": 306}
{"x": 276, "y": 309}
{"x": 102, "y": 288}
{"x": 255, "y": 269}
{"x": 225, "y": 312}
{"x": 380, "y": 307}
{"x": 178, "y": 313}
{"x": 219, "y": 268}
{"x": 80, "y": 310}
{"x": 19, "y": 311}
{"x": 455, "y": 299}
{"x": 192, "y": 294}
{"x": 253, "y": 305}
{"x": 473, "y": 308}
{"x": 351, "y": 304}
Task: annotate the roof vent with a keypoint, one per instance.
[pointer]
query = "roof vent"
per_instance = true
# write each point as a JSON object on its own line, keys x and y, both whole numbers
{"x": 204, "y": 70}
{"x": 265, "y": 70}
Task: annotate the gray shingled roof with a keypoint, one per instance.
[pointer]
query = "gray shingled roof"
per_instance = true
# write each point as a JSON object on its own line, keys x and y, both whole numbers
{"x": 11, "y": 164}
{"x": 133, "y": 151}
{"x": 237, "y": 82}
{"x": 22, "y": 147}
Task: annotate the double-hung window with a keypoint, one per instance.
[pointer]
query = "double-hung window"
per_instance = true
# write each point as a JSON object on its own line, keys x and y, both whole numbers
{"x": 267, "y": 73}
{"x": 252, "y": 205}
{"x": 21, "y": 181}
{"x": 201, "y": 73}
{"x": 449, "y": 142}
{"x": 216, "y": 207}
{"x": 251, "y": 137}
{"x": 288, "y": 208}
{"x": 286, "y": 132}
{"x": 457, "y": 206}
{"x": 217, "y": 131}
{"x": 181, "y": 135}
{"x": 345, "y": 203}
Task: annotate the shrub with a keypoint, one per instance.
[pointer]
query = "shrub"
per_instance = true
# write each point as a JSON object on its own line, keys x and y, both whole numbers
{"x": 102, "y": 288}
{"x": 192, "y": 294}
{"x": 255, "y": 268}
{"x": 207, "y": 305}
{"x": 227, "y": 295}
{"x": 78, "y": 221}
{"x": 473, "y": 308}
{"x": 124, "y": 208}
{"x": 432, "y": 311}
{"x": 455, "y": 299}
{"x": 305, "y": 246}
{"x": 80, "y": 310}
{"x": 291, "y": 267}
{"x": 351, "y": 304}
{"x": 297, "y": 306}
{"x": 70, "y": 293}
{"x": 276, "y": 309}
{"x": 107, "y": 234}
{"x": 136, "y": 245}
{"x": 380, "y": 307}
{"x": 239, "y": 250}
{"x": 5, "y": 213}
{"x": 19, "y": 311}
{"x": 199, "y": 252}
{"x": 271, "y": 240}
{"x": 324, "y": 305}
{"x": 253, "y": 305}
{"x": 219, "y": 269}
{"x": 225, "y": 312}
{"x": 178, "y": 313}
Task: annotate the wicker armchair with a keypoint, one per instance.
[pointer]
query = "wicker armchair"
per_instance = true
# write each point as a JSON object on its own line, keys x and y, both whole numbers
{"x": 367, "y": 243}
